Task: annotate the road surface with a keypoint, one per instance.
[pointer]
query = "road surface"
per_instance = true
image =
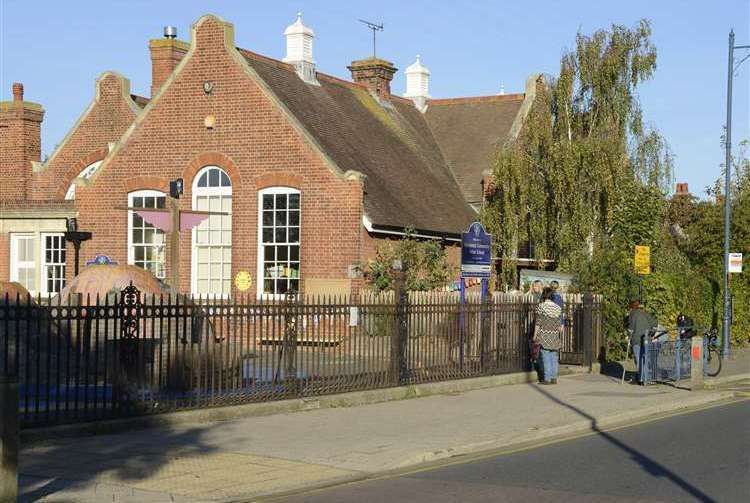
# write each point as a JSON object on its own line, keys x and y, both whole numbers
{"x": 703, "y": 455}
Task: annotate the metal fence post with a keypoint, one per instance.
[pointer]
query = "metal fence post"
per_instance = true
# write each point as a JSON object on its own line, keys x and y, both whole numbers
{"x": 696, "y": 364}
{"x": 399, "y": 336}
{"x": 9, "y": 442}
{"x": 588, "y": 330}
{"x": 485, "y": 311}
{"x": 291, "y": 384}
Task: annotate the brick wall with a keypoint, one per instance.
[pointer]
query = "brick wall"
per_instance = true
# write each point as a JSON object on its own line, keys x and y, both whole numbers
{"x": 166, "y": 54}
{"x": 106, "y": 119}
{"x": 20, "y": 143}
{"x": 252, "y": 140}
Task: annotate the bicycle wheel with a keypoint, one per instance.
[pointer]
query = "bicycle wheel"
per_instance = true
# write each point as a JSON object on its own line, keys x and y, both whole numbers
{"x": 713, "y": 362}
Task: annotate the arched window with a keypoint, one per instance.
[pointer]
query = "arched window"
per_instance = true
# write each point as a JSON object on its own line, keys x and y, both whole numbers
{"x": 86, "y": 173}
{"x": 212, "y": 239}
{"x": 146, "y": 242}
{"x": 278, "y": 240}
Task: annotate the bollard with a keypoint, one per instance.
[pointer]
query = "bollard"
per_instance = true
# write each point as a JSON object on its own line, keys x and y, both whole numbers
{"x": 696, "y": 363}
{"x": 8, "y": 438}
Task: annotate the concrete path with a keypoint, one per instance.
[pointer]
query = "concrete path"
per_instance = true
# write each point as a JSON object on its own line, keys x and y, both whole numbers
{"x": 245, "y": 458}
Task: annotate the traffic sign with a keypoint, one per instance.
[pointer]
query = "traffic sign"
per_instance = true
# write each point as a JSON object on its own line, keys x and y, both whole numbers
{"x": 735, "y": 262}
{"x": 642, "y": 259}
{"x": 476, "y": 252}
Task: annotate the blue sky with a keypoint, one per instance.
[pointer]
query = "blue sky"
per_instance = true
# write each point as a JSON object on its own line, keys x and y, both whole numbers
{"x": 58, "y": 48}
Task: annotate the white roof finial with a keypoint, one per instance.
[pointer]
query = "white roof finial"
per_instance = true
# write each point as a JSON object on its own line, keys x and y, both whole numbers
{"x": 502, "y": 89}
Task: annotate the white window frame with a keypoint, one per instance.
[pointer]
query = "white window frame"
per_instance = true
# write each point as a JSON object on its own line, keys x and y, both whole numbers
{"x": 43, "y": 264}
{"x": 203, "y": 192}
{"x": 131, "y": 196}
{"x": 15, "y": 237}
{"x": 261, "y": 252}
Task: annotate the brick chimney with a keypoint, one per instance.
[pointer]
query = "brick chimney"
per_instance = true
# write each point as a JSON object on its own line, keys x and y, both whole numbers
{"x": 166, "y": 54}
{"x": 682, "y": 189}
{"x": 375, "y": 73}
{"x": 20, "y": 143}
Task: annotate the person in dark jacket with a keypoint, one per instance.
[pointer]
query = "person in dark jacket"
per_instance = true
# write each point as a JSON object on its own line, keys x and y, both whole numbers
{"x": 640, "y": 324}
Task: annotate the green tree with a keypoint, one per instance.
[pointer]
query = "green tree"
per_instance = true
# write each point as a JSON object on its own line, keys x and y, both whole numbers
{"x": 425, "y": 261}
{"x": 583, "y": 153}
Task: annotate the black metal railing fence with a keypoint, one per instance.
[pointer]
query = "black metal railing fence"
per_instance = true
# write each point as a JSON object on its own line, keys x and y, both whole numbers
{"x": 129, "y": 353}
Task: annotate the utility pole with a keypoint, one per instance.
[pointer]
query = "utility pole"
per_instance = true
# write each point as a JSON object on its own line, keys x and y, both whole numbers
{"x": 727, "y": 320}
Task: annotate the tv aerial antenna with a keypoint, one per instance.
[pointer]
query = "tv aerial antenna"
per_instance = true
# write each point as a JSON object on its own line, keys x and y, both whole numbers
{"x": 375, "y": 28}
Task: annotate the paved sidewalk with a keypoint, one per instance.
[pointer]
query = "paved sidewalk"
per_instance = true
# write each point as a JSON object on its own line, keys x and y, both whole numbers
{"x": 245, "y": 458}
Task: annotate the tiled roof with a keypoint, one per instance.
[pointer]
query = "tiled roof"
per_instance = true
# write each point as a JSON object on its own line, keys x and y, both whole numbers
{"x": 469, "y": 131}
{"x": 408, "y": 181}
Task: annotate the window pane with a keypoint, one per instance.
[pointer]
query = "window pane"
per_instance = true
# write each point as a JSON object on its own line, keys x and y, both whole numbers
{"x": 203, "y": 180}
{"x": 280, "y": 235}
{"x": 137, "y": 202}
{"x": 268, "y": 235}
{"x": 268, "y": 202}
{"x": 268, "y": 286}
{"x": 269, "y": 252}
{"x": 280, "y": 201}
{"x": 267, "y": 218}
{"x": 294, "y": 253}
{"x": 201, "y": 203}
{"x": 213, "y": 178}
{"x": 294, "y": 218}
{"x": 282, "y": 253}
{"x": 281, "y": 286}
{"x": 225, "y": 180}
{"x": 294, "y": 201}
{"x": 281, "y": 218}
{"x": 293, "y": 234}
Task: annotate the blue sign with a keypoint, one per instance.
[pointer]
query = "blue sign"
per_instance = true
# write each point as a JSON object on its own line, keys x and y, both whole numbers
{"x": 476, "y": 252}
{"x": 101, "y": 260}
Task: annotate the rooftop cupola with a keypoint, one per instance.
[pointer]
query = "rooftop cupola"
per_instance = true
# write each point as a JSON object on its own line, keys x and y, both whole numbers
{"x": 418, "y": 84}
{"x": 299, "y": 49}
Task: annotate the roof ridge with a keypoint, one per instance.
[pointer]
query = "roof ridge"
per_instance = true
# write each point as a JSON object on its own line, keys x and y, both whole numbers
{"x": 338, "y": 80}
{"x": 476, "y": 99}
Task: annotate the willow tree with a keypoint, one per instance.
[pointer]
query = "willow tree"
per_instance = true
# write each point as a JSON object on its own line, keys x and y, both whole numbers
{"x": 583, "y": 158}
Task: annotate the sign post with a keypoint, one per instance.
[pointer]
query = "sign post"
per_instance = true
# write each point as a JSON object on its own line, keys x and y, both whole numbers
{"x": 476, "y": 262}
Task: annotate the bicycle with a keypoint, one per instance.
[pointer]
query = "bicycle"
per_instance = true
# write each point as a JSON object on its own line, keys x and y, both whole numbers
{"x": 713, "y": 352}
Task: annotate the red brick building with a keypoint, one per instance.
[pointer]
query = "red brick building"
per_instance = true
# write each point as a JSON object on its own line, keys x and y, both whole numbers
{"x": 312, "y": 170}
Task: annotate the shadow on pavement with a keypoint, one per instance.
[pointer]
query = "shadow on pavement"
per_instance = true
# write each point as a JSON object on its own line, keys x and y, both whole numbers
{"x": 649, "y": 465}
{"x": 114, "y": 459}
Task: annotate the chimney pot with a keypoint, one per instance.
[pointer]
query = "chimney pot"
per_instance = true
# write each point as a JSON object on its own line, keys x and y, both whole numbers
{"x": 682, "y": 189}
{"x": 170, "y": 32}
{"x": 375, "y": 73}
{"x": 17, "y": 91}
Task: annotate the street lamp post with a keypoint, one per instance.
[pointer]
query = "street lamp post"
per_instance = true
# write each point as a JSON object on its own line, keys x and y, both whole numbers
{"x": 727, "y": 321}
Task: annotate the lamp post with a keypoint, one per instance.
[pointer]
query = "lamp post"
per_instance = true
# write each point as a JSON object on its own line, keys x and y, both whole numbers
{"x": 727, "y": 320}
{"x": 76, "y": 237}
